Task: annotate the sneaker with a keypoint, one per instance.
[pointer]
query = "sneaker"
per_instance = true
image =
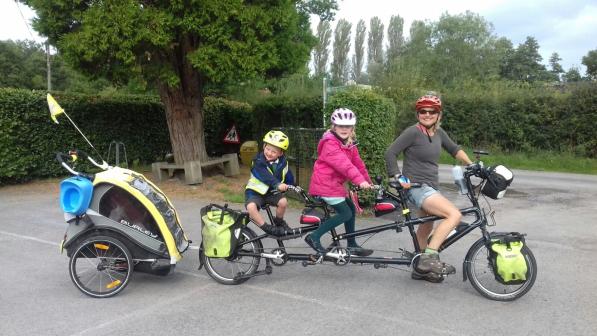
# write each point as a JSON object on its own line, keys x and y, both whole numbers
{"x": 431, "y": 263}
{"x": 359, "y": 251}
{"x": 273, "y": 230}
{"x": 431, "y": 277}
{"x": 316, "y": 245}
{"x": 282, "y": 223}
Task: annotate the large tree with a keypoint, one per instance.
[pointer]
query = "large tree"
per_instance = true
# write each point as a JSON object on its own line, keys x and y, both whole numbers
{"x": 556, "y": 67}
{"x": 321, "y": 51}
{"x": 358, "y": 60}
{"x": 375, "y": 49}
{"x": 463, "y": 47}
{"x": 183, "y": 47}
{"x": 395, "y": 37}
{"x": 590, "y": 61}
{"x": 340, "y": 63}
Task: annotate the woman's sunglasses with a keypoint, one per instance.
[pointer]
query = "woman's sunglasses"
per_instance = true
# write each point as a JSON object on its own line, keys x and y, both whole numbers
{"x": 423, "y": 112}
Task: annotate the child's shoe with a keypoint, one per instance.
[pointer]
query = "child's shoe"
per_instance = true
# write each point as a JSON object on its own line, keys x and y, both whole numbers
{"x": 282, "y": 223}
{"x": 273, "y": 230}
{"x": 316, "y": 245}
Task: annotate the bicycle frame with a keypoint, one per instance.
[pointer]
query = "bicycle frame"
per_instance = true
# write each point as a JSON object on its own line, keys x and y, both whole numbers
{"x": 409, "y": 222}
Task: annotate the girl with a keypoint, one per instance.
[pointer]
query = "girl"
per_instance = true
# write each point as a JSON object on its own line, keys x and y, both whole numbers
{"x": 338, "y": 161}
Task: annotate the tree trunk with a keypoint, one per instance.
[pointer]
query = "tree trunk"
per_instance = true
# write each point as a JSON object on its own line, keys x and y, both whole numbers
{"x": 184, "y": 110}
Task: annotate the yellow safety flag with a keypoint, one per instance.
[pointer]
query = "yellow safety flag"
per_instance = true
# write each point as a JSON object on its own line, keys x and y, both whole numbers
{"x": 55, "y": 109}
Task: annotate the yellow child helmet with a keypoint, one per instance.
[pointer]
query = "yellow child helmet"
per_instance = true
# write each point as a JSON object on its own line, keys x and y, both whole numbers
{"x": 277, "y": 138}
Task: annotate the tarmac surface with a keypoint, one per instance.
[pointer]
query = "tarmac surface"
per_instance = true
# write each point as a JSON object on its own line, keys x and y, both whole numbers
{"x": 557, "y": 211}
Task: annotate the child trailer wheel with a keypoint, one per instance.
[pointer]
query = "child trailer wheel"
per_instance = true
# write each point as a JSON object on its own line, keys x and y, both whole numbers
{"x": 101, "y": 266}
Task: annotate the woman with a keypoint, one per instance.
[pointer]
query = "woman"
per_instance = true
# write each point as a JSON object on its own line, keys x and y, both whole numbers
{"x": 422, "y": 144}
{"x": 338, "y": 161}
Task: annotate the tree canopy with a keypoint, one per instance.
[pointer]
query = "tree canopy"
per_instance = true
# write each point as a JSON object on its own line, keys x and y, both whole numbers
{"x": 182, "y": 46}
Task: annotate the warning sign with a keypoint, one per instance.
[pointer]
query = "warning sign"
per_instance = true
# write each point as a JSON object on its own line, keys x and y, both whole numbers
{"x": 231, "y": 136}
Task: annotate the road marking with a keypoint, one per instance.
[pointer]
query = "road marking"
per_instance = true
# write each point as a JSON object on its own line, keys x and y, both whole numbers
{"x": 418, "y": 325}
{"x": 139, "y": 312}
{"x": 29, "y": 238}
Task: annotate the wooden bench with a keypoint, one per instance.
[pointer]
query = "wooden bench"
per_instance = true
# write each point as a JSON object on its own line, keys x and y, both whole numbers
{"x": 192, "y": 169}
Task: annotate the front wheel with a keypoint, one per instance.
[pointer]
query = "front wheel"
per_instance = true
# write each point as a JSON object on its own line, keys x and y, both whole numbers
{"x": 479, "y": 271}
{"x": 101, "y": 266}
{"x": 237, "y": 268}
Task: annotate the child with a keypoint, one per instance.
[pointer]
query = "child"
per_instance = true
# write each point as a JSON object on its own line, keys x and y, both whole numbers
{"x": 270, "y": 176}
{"x": 338, "y": 161}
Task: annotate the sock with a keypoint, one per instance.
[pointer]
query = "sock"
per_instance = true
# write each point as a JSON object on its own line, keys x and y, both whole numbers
{"x": 430, "y": 251}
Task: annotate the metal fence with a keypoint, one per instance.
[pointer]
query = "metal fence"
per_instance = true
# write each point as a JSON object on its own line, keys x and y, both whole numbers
{"x": 302, "y": 152}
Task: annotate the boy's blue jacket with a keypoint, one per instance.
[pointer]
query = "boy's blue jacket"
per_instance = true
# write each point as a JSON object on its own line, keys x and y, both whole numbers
{"x": 264, "y": 178}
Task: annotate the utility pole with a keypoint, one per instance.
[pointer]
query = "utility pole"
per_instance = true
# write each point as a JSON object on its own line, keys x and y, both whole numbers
{"x": 48, "y": 67}
{"x": 324, "y": 98}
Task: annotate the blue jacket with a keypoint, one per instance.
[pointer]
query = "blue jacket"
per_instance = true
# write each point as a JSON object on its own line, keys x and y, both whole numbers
{"x": 264, "y": 179}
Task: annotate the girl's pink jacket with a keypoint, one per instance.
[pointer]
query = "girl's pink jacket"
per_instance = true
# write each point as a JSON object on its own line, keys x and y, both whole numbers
{"x": 336, "y": 164}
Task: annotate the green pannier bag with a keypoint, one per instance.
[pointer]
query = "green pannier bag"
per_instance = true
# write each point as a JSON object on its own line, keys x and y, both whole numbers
{"x": 508, "y": 258}
{"x": 220, "y": 230}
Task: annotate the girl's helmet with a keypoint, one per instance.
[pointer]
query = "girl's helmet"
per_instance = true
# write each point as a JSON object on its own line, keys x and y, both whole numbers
{"x": 429, "y": 101}
{"x": 343, "y": 117}
{"x": 277, "y": 138}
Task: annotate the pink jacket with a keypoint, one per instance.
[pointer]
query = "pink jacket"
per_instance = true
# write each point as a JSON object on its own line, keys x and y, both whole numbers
{"x": 336, "y": 163}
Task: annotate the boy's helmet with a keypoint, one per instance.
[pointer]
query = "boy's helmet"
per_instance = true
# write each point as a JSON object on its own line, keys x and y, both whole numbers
{"x": 429, "y": 101}
{"x": 343, "y": 117}
{"x": 277, "y": 138}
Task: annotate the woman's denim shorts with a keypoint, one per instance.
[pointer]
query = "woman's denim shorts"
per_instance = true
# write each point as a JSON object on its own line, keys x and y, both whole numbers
{"x": 417, "y": 196}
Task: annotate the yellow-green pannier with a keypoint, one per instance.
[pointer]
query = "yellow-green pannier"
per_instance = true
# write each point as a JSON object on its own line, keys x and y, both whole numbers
{"x": 220, "y": 230}
{"x": 508, "y": 258}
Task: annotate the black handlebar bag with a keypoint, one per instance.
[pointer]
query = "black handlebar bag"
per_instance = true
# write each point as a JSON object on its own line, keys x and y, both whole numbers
{"x": 498, "y": 180}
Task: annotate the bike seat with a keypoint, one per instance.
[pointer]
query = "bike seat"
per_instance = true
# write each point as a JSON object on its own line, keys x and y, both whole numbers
{"x": 312, "y": 216}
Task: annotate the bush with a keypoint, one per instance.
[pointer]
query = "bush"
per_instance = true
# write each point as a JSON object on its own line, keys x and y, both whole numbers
{"x": 219, "y": 115}
{"x": 29, "y": 137}
{"x": 283, "y": 111}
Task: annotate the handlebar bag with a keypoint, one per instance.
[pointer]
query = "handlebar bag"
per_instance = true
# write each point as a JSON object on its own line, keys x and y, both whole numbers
{"x": 507, "y": 256}
{"x": 75, "y": 195}
{"x": 220, "y": 230}
{"x": 497, "y": 182}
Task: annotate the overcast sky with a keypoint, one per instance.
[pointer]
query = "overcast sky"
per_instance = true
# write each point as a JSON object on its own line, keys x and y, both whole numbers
{"x": 568, "y": 27}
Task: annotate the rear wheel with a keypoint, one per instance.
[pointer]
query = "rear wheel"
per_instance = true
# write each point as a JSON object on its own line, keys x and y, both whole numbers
{"x": 101, "y": 266}
{"x": 480, "y": 272}
{"x": 237, "y": 268}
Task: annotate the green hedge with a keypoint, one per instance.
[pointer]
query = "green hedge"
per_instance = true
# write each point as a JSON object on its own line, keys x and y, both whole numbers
{"x": 29, "y": 139}
{"x": 281, "y": 111}
{"x": 517, "y": 118}
{"x": 219, "y": 115}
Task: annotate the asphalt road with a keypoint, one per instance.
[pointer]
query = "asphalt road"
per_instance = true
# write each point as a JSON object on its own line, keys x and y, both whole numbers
{"x": 557, "y": 211}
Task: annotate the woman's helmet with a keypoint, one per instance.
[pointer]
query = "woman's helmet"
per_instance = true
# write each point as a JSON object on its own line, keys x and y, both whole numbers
{"x": 343, "y": 117}
{"x": 429, "y": 101}
{"x": 277, "y": 138}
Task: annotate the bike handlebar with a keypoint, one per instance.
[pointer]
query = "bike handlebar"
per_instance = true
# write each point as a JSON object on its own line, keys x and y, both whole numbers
{"x": 72, "y": 156}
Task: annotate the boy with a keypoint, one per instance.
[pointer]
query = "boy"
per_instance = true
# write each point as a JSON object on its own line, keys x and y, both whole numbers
{"x": 270, "y": 176}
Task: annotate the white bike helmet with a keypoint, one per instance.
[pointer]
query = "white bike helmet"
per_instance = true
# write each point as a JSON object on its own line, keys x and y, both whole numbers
{"x": 343, "y": 117}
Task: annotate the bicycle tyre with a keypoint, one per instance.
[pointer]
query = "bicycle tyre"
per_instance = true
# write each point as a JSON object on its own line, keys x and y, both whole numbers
{"x": 101, "y": 266}
{"x": 227, "y": 270}
{"x": 481, "y": 274}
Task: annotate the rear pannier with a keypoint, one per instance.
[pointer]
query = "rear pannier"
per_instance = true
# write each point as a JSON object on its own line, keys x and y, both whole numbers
{"x": 220, "y": 230}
